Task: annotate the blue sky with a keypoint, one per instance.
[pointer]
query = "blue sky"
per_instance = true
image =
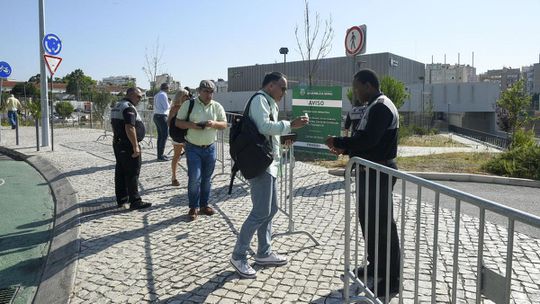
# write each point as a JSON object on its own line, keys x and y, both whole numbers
{"x": 201, "y": 39}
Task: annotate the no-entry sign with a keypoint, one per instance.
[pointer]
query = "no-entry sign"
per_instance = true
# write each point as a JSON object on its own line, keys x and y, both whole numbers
{"x": 355, "y": 40}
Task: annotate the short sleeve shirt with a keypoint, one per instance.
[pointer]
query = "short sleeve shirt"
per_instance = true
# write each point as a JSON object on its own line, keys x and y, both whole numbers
{"x": 201, "y": 112}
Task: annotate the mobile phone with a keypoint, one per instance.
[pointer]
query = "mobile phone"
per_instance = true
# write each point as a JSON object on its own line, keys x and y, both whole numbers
{"x": 202, "y": 124}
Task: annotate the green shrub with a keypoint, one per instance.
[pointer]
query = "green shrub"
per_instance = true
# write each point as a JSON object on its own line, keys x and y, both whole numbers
{"x": 522, "y": 138}
{"x": 522, "y": 162}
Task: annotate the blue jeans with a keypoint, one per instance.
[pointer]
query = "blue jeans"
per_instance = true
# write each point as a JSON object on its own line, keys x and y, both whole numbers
{"x": 264, "y": 199}
{"x": 12, "y": 116}
{"x": 201, "y": 163}
{"x": 162, "y": 132}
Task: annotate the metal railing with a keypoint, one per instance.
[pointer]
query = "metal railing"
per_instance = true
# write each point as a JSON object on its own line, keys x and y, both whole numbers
{"x": 497, "y": 141}
{"x": 286, "y": 190}
{"x": 452, "y": 250}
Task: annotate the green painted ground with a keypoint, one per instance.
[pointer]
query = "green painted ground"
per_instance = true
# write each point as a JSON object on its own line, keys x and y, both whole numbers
{"x": 27, "y": 209}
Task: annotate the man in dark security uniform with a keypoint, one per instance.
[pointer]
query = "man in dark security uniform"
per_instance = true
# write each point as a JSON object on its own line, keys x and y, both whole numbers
{"x": 128, "y": 130}
{"x": 375, "y": 139}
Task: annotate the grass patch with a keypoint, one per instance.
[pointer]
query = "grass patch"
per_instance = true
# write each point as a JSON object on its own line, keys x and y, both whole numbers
{"x": 459, "y": 162}
{"x": 429, "y": 141}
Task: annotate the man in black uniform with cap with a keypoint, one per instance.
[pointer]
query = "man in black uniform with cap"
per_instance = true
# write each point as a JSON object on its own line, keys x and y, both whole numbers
{"x": 128, "y": 130}
{"x": 374, "y": 139}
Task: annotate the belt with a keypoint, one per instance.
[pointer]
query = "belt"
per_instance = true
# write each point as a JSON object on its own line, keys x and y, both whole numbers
{"x": 200, "y": 146}
{"x": 156, "y": 114}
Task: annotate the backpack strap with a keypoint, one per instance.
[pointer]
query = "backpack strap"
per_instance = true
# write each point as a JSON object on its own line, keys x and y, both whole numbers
{"x": 191, "y": 103}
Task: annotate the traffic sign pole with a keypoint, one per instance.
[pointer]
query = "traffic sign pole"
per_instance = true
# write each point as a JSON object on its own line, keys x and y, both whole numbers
{"x": 44, "y": 89}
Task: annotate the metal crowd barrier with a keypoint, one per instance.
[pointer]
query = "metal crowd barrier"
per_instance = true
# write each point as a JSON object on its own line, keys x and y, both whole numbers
{"x": 107, "y": 127}
{"x": 438, "y": 236}
{"x": 147, "y": 118}
{"x": 286, "y": 190}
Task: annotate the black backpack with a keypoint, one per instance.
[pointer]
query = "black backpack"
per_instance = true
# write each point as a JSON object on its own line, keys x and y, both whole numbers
{"x": 250, "y": 151}
{"x": 178, "y": 134}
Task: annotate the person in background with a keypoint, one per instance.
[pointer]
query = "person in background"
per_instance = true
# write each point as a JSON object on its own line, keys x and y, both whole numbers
{"x": 207, "y": 116}
{"x": 161, "y": 111}
{"x": 13, "y": 105}
{"x": 354, "y": 116}
{"x": 181, "y": 96}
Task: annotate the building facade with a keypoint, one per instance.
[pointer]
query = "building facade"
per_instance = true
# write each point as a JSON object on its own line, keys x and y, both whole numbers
{"x": 446, "y": 73}
{"x": 504, "y": 77}
{"x": 119, "y": 81}
{"x": 166, "y": 78}
{"x": 331, "y": 71}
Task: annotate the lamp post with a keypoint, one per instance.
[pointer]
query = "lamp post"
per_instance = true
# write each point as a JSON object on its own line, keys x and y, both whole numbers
{"x": 285, "y": 51}
{"x": 423, "y": 84}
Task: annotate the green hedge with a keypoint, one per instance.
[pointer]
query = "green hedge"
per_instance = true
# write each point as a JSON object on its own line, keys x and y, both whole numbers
{"x": 522, "y": 162}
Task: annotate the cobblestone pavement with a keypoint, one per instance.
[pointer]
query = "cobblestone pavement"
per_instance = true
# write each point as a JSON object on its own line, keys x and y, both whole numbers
{"x": 158, "y": 256}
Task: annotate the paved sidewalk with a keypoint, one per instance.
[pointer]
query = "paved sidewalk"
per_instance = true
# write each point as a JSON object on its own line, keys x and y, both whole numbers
{"x": 159, "y": 256}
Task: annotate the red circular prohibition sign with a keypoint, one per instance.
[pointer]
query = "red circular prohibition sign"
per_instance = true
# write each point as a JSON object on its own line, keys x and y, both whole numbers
{"x": 360, "y": 40}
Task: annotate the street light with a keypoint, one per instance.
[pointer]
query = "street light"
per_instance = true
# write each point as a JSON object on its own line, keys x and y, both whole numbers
{"x": 423, "y": 83}
{"x": 284, "y": 51}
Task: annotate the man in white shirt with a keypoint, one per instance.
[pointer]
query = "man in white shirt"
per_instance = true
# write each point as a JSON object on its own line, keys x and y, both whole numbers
{"x": 13, "y": 105}
{"x": 161, "y": 111}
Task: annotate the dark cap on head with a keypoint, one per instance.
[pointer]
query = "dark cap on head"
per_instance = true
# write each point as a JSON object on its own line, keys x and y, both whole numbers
{"x": 207, "y": 84}
{"x": 164, "y": 86}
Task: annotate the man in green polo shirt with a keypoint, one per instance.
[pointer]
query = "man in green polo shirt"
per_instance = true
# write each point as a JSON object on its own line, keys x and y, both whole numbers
{"x": 207, "y": 116}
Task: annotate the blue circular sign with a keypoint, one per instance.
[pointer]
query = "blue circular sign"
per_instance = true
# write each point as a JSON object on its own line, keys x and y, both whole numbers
{"x": 52, "y": 44}
{"x": 5, "y": 69}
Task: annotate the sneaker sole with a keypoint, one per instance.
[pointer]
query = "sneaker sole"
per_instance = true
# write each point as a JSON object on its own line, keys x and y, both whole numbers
{"x": 263, "y": 263}
{"x": 241, "y": 274}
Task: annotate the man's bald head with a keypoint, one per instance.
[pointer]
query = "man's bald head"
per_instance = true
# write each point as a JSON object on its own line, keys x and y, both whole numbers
{"x": 134, "y": 95}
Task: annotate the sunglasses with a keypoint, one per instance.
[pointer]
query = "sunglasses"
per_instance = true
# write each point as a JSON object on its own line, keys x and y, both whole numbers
{"x": 283, "y": 89}
{"x": 208, "y": 91}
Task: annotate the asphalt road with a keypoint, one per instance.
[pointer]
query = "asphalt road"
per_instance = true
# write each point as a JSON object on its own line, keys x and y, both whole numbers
{"x": 526, "y": 199}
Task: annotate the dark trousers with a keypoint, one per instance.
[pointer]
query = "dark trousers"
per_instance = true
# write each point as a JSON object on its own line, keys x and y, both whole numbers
{"x": 383, "y": 217}
{"x": 162, "y": 132}
{"x": 126, "y": 174}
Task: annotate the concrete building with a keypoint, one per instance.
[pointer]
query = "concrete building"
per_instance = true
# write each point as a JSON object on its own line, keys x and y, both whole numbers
{"x": 221, "y": 85}
{"x": 331, "y": 71}
{"x": 119, "y": 80}
{"x": 446, "y": 73}
{"x": 504, "y": 77}
{"x": 166, "y": 78}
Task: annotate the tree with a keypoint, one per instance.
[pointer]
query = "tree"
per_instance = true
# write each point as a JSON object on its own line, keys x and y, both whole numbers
{"x": 64, "y": 108}
{"x": 153, "y": 64}
{"x": 395, "y": 90}
{"x": 24, "y": 89}
{"x": 78, "y": 83}
{"x": 307, "y": 42}
{"x": 35, "y": 79}
{"x": 513, "y": 106}
{"x": 101, "y": 101}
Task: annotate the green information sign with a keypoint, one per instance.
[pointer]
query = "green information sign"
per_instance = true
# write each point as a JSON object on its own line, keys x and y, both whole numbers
{"x": 323, "y": 106}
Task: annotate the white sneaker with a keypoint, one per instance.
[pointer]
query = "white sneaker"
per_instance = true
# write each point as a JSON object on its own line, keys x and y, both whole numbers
{"x": 243, "y": 269}
{"x": 272, "y": 260}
